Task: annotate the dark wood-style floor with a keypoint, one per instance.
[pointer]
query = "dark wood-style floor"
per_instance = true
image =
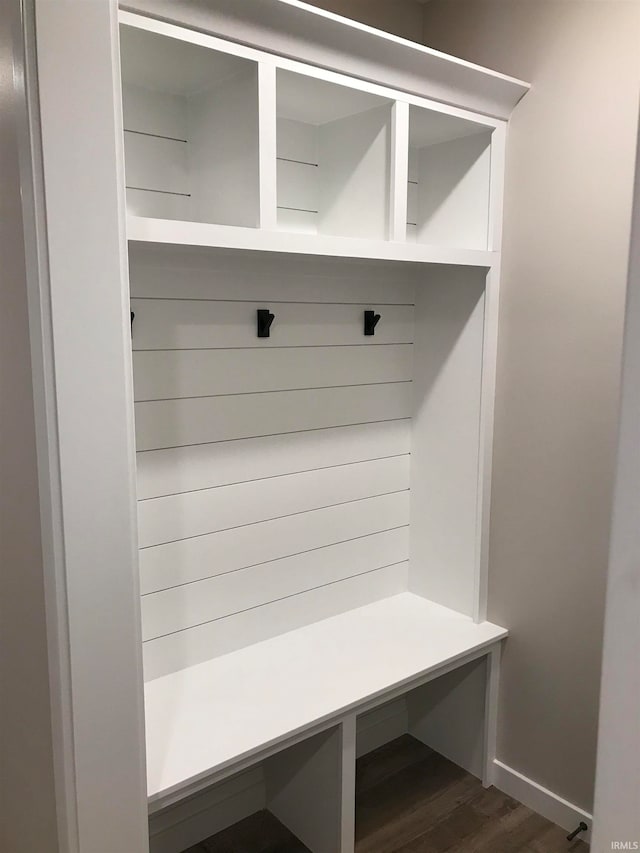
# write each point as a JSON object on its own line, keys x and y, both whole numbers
{"x": 411, "y": 800}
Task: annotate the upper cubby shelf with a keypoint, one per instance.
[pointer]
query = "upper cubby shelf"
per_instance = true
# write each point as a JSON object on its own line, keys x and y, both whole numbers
{"x": 333, "y": 151}
{"x": 448, "y": 180}
{"x": 190, "y": 130}
{"x": 228, "y": 146}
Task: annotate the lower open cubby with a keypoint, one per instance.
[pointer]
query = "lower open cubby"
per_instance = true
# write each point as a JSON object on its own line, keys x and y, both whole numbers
{"x": 349, "y": 783}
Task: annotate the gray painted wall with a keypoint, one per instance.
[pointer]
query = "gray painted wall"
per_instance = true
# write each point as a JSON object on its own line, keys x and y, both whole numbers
{"x": 567, "y": 219}
{"x": 27, "y": 801}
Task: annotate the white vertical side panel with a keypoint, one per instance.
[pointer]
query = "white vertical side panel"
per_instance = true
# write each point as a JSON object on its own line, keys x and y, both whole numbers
{"x": 354, "y": 155}
{"x": 304, "y": 790}
{"x": 491, "y": 714}
{"x": 485, "y": 458}
{"x": 445, "y": 437}
{"x": 496, "y": 186}
{"x": 348, "y": 779}
{"x": 222, "y": 127}
{"x": 267, "y": 132}
{"x": 616, "y": 813}
{"x": 448, "y": 715}
{"x": 489, "y": 363}
{"x": 83, "y": 173}
{"x": 399, "y": 171}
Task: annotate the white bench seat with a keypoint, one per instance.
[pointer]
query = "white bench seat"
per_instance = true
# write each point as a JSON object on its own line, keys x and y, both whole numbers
{"x": 204, "y": 722}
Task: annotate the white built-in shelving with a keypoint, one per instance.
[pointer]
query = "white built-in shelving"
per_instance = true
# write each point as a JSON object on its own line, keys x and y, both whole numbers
{"x": 312, "y": 505}
{"x": 190, "y": 129}
{"x": 217, "y": 134}
{"x": 309, "y": 573}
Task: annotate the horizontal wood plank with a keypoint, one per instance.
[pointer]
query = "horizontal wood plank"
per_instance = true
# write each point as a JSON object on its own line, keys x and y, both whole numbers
{"x": 209, "y": 510}
{"x": 184, "y": 469}
{"x": 188, "y": 560}
{"x": 167, "y": 272}
{"x": 186, "y": 648}
{"x": 176, "y": 423}
{"x": 192, "y": 324}
{"x": 199, "y": 373}
{"x": 192, "y": 604}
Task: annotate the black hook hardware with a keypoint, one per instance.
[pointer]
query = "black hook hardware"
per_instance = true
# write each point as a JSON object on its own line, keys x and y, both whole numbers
{"x": 581, "y": 828}
{"x": 133, "y": 315}
{"x": 370, "y": 322}
{"x": 265, "y": 319}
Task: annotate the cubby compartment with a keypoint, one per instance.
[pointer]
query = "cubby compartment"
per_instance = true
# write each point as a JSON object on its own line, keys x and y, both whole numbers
{"x": 292, "y": 800}
{"x": 449, "y": 180}
{"x": 190, "y": 130}
{"x": 333, "y": 150}
{"x": 411, "y": 749}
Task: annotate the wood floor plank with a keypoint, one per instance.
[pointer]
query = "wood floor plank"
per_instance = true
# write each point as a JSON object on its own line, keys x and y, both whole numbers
{"x": 388, "y": 760}
{"x": 259, "y": 833}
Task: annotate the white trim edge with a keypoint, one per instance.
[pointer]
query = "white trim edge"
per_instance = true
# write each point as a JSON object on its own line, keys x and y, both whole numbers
{"x": 540, "y": 799}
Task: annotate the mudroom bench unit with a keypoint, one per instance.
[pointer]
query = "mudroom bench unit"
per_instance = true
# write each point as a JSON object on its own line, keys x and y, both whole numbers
{"x": 280, "y": 341}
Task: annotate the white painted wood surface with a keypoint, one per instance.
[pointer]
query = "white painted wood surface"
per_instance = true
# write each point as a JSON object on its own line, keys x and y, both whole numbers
{"x": 191, "y": 133}
{"x": 448, "y": 715}
{"x": 87, "y": 440}
{"x": 348, "y": 46}
{"x": 339, "y": 155}
{"x": 173, "y": 272}
{"x": 445, "y": 444}
{"x": 304, "y": 790}
{"x": 173, "y": 652}
{"x": 176, "y": 324}
{"x": 333, "y": 158}
{"x": 182, "y": 607}
{"x": 193, "y": 514}
{"x": 356, "y": 171}
{"x": 177, "y": 423}
{"x": 174, "y": 374}
{"x": 274, "y": 473}
{"x": 405, "y": 638}
{"x": 188, "y": 560}
{"x": 453, "y": 193}
{"x": 616, "y": 814}
{"x": 164, "y": 231}
{"x": 337, "y": 665}
{"x": 202, "y": 466}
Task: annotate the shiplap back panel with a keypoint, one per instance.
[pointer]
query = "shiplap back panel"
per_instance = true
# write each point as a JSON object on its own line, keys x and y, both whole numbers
{"x": 273, "y": 474}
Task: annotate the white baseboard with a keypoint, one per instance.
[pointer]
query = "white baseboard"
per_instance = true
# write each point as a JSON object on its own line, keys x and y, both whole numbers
{"x": 539, "y": 799}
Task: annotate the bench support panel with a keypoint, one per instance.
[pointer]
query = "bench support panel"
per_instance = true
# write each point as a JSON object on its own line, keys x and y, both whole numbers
{"x": 310, "y": 787}
{"x": 449, "y": 715}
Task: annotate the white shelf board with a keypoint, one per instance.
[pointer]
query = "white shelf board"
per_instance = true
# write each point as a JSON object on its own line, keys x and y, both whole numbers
{"x": 207, "y": 718}
{"x": 179, "y": 233}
